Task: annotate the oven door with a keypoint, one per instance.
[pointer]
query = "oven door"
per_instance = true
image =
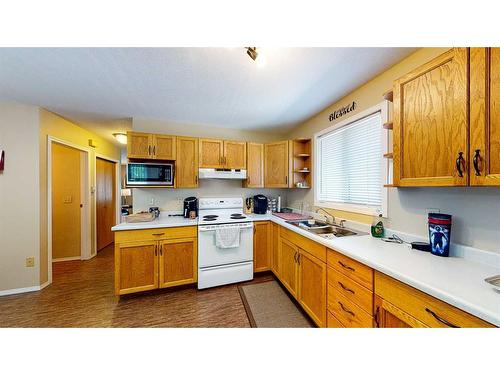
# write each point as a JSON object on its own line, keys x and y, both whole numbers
{"x": 210, "y": 255}
{"x": 149, "y": 174}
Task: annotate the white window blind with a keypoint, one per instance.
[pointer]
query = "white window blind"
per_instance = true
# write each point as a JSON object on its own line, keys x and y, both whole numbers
{"x": 350, "y": 163}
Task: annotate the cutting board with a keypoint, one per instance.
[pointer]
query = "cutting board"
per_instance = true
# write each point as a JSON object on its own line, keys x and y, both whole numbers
{"x": 291, "y": 216}
{"x": 140, "y": 217}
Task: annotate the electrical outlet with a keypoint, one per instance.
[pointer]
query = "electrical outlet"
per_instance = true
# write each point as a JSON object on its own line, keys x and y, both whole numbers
{"x": 432, "y": 210}
{"x": 30, "y": 262}
{"x": 151, "y": 201}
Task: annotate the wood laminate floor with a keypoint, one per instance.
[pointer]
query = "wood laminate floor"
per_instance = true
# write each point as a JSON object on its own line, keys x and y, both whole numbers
{"x": 81, "y": 295}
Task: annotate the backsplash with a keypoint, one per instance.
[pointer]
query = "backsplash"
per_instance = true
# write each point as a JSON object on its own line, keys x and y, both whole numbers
{"x": 172, "y": 199}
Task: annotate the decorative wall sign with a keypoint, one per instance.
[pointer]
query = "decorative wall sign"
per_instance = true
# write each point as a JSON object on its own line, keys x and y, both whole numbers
{"x": 2, "y": 158}
{"x": 342, "y": 111}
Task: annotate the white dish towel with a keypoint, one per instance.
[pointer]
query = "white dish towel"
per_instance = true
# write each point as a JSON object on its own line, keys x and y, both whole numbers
{"x": 227, "y": 237}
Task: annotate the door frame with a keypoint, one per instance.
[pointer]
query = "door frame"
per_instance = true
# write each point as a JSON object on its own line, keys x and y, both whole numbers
{"x": 85, "y": 162}
{"x": 117, "y": 192}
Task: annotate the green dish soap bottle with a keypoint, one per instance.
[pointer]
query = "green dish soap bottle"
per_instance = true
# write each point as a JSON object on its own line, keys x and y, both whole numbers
{"x": 377, "y": 229}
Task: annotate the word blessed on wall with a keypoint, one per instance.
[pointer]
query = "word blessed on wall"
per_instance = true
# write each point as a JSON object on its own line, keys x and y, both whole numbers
{"x": 342, "y": 111}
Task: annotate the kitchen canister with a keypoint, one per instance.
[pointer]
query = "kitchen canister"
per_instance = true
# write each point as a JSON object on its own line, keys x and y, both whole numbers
{"x": 440, "y": 233}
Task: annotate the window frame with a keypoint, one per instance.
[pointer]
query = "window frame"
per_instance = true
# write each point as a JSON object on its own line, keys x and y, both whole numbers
{"x": 383, "y": 108}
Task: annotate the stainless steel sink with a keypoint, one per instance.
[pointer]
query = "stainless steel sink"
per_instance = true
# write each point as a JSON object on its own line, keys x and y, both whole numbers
{"x": 323, "y": 229}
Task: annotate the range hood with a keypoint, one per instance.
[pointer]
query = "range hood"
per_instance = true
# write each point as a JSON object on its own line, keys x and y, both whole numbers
{"x": 223, "y": 174}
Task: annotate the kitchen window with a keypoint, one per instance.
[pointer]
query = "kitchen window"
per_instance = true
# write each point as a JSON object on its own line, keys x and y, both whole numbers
{"x": 350, "y": 168}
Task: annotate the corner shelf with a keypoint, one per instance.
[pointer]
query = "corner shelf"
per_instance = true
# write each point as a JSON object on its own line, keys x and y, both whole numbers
{"x": 302, "y": 155}
{"x": 301, "y": 171}
{"x": 388, "y": 125}
{"x": 388, "y": 155}
{"x": 300, "y": 163}
{"x": 388, "y": 95}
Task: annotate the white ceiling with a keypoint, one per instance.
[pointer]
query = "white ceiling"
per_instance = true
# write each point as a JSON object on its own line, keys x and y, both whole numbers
{"x": 100, "y": 87}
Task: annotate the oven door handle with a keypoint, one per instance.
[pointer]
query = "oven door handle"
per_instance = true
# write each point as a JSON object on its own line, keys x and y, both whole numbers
{"x": 213, "y": 227}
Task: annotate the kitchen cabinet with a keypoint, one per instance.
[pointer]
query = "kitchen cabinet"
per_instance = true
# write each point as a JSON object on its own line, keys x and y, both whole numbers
{"x": 415, "y": 308}
{"x": 312, "y": 286}
{"x": 186, "y": 165}
{"x": 261, "y": 246}
{"x": 276, "y": 165}
{"x": 155, "y": 258}
{"x": 216, "y": 153}
{"x": 484, "y": 150}
{"x": 178, "y": 262}
{"x": 255, "y": 165}
{"x": 150, "y": 146}
{"x": 430, "y": 126}
{"x": 136, "y": 266}
{"x": 275, "y": 249}
{"x": 288, "y": 265}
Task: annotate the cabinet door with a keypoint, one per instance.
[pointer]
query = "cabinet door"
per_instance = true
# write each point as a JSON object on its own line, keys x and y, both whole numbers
{"x": 136, "y": 266}
{"x": 261, "y": 246}
{"x": 255, "y": 165}
{"x": 178, "y": 262}
{"x": 164, "y": 147}
{"x": 312, "y": 287}
{"x": 484, "y": 116}
{"x": 389, "y": 316}
{"x": 186, "y": 165}
{"x": 431, "y": 123}
{"x": 139, "y": 145}
{"x": 235, "y": 155}
{"x": 211, "y": 153}
{"x": 288, "y": 253}
{"x": 275, "y": 237}
{"x": 276, "y": 165}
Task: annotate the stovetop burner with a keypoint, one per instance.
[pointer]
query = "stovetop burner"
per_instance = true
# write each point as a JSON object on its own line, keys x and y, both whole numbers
{"x": 208, "y": 217}
{"x": 238, "y": 216}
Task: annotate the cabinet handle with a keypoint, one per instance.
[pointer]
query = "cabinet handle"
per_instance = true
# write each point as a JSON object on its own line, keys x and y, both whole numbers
{"x": 286, "y": 180}
{"x": 161, "y": 249}
{"x": 158, "y": 234}
{"x": 346, "y": 288}
{"x": 377, "y": 321}
{"x": 439, "y": 319}
{"x": 156, "y": 250}
{"x": 149, "y": 150}
{"x": 459, "y": 163}
{"x": 476, "y": 159}
{"x": 196, "y": 179}
{"x": 154, "y": 150}
{"x": 346, "y": 266}
{"x": 295, "y": 257}
{"x": 346, "y": 310}
{"x": 298, "y": 258}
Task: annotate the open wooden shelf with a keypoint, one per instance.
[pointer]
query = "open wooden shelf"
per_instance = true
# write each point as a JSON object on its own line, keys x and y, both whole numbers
{"x": 389, "y": 185}
{"x": 301, "y": 151}
{"x": 388, "y": 125}
{"x": 302, "y": 155}
{"x": 388, "y": 95}
{"x": 388, "y": 155}
{"x": 301, "y": 171}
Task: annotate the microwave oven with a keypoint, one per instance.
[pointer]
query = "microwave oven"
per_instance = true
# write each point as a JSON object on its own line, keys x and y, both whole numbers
{"x": 150, "y": 174}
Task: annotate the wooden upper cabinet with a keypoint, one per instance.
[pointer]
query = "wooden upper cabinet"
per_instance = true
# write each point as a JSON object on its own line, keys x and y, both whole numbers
{"x": 484, "y": 151}
{"x": 164, "y": 147}
{"x": 312, "y": 286}
{"x": 235, "y": 155}
{"x": 431, "y": 124}
{"x": 178, "y": 262}
{"x": 255, "y": 165}
{"x": 186, "y": 165}
{"x": 262, "y": 246}
{"x": 211, "y": 153}
{"x": 276, "y": 164}
{"x": 139, "y": 145}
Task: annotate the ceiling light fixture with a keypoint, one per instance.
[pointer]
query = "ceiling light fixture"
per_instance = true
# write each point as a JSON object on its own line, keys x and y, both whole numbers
{"x": 258, "y": 57}
{"x": 121, "y": 137}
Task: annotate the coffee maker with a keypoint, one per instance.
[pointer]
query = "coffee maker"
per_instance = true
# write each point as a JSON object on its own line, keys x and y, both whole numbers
{"x": 190, "y": 204}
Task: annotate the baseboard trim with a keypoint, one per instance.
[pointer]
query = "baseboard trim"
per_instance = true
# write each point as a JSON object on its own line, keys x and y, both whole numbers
{"x": 28, "y": 289}
{"x": 67, "y": 259}
{"x": 45, "y": 284}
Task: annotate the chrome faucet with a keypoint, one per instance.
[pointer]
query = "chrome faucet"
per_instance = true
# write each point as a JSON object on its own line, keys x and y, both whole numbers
{"x": 327, "y": 215}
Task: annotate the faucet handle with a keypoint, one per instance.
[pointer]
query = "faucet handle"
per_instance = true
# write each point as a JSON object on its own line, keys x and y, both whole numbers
{"x": 341, "y": 223}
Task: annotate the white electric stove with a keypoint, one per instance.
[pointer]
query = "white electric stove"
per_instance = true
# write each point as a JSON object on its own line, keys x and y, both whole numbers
{"x": 219, "y": 266}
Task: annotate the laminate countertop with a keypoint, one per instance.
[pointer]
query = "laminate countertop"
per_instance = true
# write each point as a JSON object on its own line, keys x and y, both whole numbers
{"x": 457, "y": 281}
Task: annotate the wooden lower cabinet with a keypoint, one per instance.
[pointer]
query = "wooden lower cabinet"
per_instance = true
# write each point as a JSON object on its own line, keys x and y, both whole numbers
{"x": 389, "y": 316}
{"x": 136, "y": 266}
{"x": 275, "y": 238}
{"x": 288, "y": 253}
{"x": 312, "y": 286}
{"x": 178, "y": 262}
{"x": 142, "y": 265}
{"x": 261, "y": 246}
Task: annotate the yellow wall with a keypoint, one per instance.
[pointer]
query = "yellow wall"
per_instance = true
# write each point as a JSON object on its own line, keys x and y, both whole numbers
{"x": 365, "y": 96}
{"x": 66, "y": 211}
{"x": 60, "y": 128}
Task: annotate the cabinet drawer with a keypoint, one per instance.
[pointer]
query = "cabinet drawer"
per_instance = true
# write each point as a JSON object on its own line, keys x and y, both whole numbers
{"x": 425, "y": 308}
{"x": 351, "y": 290}
{"x": 312, "y": 247}
{"x": 155, "y": 234}
{"x": 347, "y": 312}
{"x": 349, "y": 267}
{"x": 333, "y": 322}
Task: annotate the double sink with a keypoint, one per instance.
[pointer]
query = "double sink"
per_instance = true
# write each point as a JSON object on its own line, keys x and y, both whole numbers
{"x": 323, "y": 229}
